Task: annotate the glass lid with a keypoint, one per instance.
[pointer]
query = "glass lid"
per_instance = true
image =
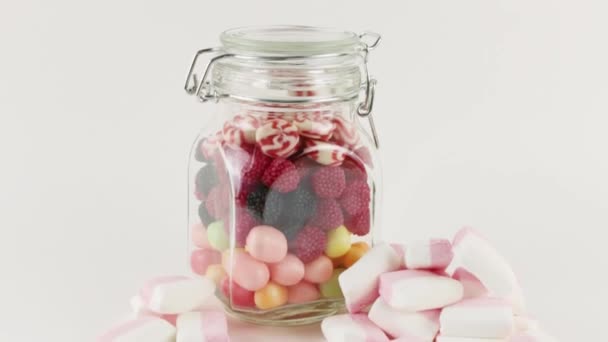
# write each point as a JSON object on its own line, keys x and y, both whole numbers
{"x": 290, "y": 40}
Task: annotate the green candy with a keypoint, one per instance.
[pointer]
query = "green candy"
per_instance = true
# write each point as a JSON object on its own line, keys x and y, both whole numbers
{"x": 331, "y": 288}
{"x": 217, "y": 236}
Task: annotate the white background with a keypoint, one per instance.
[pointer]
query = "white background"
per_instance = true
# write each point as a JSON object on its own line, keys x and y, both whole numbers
{"x": 492, "y": 114}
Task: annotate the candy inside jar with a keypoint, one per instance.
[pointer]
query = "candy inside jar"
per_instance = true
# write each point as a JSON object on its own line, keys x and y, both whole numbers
{"x": 284, "y": 189}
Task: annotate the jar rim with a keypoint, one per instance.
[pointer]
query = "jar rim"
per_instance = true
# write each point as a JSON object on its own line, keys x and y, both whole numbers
{"x": 290, "y": 40}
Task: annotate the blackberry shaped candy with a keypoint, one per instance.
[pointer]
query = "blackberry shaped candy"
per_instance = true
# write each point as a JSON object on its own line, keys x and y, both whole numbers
{"x": 256, "y": 201}
{"x": 204, "y": 214}
{"x": 206, "y": 179}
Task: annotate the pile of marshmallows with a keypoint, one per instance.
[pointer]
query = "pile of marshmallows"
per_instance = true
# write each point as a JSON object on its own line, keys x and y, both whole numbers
{"x": 431, "y": 291}
{"x": 435, "y": 290}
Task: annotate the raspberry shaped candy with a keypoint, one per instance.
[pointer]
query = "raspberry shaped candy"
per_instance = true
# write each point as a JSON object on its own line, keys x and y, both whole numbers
{"x": 329, "y": 182}
{"x": 281, "y": 175}
{"x": 244, "y": 223}
{"x": 253, "y": 172}
{"x": 305, "y": 167}
{"x": 328, "y": 216}
{"x": 309, "y": 244}
{"x": 278, "y": 138}
{"x": 205, "y": 179}
{"x": 355, "y": 198}
{"x": 256, "y": 200}
{"x": 359, "y": 224}
{"x": 354, "y": 170}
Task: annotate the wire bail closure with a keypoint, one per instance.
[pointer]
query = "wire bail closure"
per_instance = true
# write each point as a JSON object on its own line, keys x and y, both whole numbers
{"x": 203, "y": 89}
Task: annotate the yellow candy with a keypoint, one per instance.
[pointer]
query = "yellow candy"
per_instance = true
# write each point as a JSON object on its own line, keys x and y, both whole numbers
{"x": 270, "y": 296}
{"x": 338, "y": 242}
{"x": 215, "y": 273}
{"x": 356, "y": 251}
{"x": 331, "y": 288}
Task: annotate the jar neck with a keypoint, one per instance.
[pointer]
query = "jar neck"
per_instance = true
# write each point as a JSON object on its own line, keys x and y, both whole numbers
{"x": 344, "y": 109}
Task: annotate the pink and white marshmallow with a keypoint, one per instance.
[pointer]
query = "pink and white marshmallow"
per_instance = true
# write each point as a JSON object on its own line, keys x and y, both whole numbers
{"x": 278, "y": 138}
{"x": 325, "y": 153}
{"x": 360, "y": 282}
{"x": 241, "y": 129}
{"x": 138, "y": 308}
{"x": 475, "y": 254}
{"x": 533, "y": 335}
{"x": 434, "y": 254}
{"x": 415, "y": 290}
{"x": 149, "y": 329}
{"x": 176, "y": 294}
{"x": 351, "y": 328}
{"x": 441, "y": 338}
{"x": 314, "y": 125}
{"x": 473, "y": 288}
{"x": 415, "y": 326}
{"x": 479, "y": 318}
{"x": 202, "y": 326}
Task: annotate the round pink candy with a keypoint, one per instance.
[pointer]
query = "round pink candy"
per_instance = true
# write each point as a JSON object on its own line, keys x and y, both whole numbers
{"x": 288, "y": 271}
{"x": 319, "y": 270}
{"x": 266, "y": 244}
{"x": 302, "y": 292}
{"x": 198, "y": 234}
{"x": 246, "y": 271}
{"x": 200, "y": 259}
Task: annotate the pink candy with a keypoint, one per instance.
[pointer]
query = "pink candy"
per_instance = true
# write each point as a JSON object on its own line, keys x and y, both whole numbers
{"x": 288, "y": 271}
{"x": 319, "y": 270}
{"x": 200, "y": 259}
{"x": 175, "y": 294}
{"x": 278, "y": 138}
{"x": 266, "y": 244}
{"x": 472, "y": 286}
{"x": 418, "y": 326}
{"x": 208, "y": 147}
{"x": 480, "y": 317}
{"x": 302, "y": 292}
{"x": 198, "y": 235}
{"x": 249, "y": 273}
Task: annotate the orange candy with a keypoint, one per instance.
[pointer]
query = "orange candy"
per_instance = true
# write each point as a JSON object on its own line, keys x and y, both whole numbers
{"x": 356, "y": 251}
{"x": 271, "y": 296}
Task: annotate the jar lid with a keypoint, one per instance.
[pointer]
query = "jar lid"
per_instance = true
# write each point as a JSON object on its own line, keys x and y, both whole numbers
{"x": 289, "y": 40}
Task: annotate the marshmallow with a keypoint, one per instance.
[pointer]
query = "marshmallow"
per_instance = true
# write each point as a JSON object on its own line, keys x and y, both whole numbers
{"x": 138, "y": 307}
{"x": 523, "y": 324}
{"x": 478, "y": 257}
{"x": 533, "y": 335}
{"x": 435, "y": 254}
{"x": 473, "y": 288}
{"x": 468, "y": 339}
{"x": 360, "y": 282}
{"x": 416, "y": 326}
{"x": 351, "y": 328}
{"x": 149, "y": 329}
{"x": 413, "y": 290}
{"x": 202, "y": 326}
{"x": 175, "y": 295}
{"x": 480, "y": 318}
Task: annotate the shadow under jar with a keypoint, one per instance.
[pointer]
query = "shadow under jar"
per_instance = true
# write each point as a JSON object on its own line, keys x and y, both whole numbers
{"x": 284, "y": 179}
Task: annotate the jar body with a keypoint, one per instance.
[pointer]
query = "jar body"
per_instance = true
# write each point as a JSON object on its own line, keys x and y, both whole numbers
{"x": 282, "y": 200}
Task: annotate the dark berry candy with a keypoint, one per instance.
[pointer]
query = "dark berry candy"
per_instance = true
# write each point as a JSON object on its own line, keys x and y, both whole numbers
{"x": 309, "y": 244}
{"x": 329, "y": 182}
{"x": 206, "y": 178}
{"x": 299, "y": 206}
{"x": 305, "y": 167}
{"x": 206, "y": 219}
{"x": 273, "y": 208}
{"x": 256, "y": 200}
{"x": 328, "y": 215}
{"x": 291, "y": 231}
{"x": 281, "y": 175}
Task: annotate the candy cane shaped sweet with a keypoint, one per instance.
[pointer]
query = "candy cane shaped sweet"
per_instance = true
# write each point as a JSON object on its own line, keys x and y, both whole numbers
{"x": 345, "y": 132}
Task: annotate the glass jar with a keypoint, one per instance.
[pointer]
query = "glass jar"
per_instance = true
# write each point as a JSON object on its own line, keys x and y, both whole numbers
{"x": 284, "y": 179}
